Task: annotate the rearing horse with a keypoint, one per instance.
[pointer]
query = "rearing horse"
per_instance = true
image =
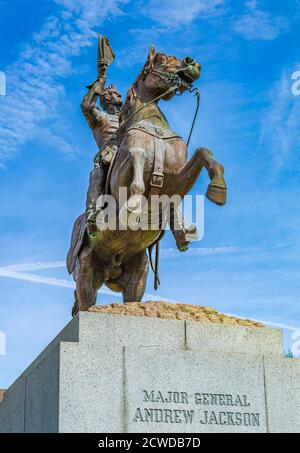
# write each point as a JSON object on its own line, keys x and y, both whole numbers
{"x": 151, "y": 160}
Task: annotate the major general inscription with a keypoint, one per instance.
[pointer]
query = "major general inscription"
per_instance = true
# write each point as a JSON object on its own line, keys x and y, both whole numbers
{"x": 202, "y": 408}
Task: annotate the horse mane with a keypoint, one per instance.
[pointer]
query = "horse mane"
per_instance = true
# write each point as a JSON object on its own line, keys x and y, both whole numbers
{"x": 132, "y": 92}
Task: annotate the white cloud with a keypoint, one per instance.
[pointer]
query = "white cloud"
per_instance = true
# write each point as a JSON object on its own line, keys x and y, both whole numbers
{"x": 33, "y": 278}
{"x": 280, "y": 131}
{"x": 35, "y": 95}
{"x": 19, "y": 272}
{"x": 257, "y": 25}
{"x": 177, "y": 12}
{"x": 269, "y": 323}
{"x": 25, "y": 267}
{"x": 199, "y": 251}
{"x": 137, "y": 53}
{"x": 207, "y": 251}
{"x": 91, "y": 11}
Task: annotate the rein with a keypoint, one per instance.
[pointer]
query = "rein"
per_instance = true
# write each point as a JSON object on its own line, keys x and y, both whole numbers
{"x": 198, "y": 96}
{"x": 169, "y": 90}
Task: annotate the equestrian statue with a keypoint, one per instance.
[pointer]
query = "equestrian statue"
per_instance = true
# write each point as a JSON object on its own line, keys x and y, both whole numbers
{"x": 140, "y": 160}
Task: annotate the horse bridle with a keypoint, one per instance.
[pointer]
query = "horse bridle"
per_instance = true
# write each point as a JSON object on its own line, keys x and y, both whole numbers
{"x": 170, "y": 78}
{"x": 174, "y": 82}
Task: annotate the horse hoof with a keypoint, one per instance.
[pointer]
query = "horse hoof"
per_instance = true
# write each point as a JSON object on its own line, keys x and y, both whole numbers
{"x": 217, "y": 194}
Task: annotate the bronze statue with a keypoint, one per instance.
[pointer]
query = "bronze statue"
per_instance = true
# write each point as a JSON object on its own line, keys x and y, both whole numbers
{"x": 139, "y": 152}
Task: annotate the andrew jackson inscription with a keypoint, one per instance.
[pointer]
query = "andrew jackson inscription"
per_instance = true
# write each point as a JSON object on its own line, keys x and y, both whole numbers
{"x": 196, "y": 408}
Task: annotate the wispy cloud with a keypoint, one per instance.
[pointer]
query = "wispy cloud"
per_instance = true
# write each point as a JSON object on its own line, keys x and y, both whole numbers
{"x": 167, "y": 18}
{"x": 199, "y": 251}
{"x": 269, "y": 323}
{"x": 25, "y": 267}
{"x": 14, "y": 270}
{"x": 173, "y": 13}
{"x": 280, "y": 131}
{"x": 207, "y": 251}
{"x": 137, "y": 53}
{"x": 28, "y": 277}
{"x": 36, "y": 96}
{"x": 165, "y": 252}
{"x": 19, "y": 272}
{"x": 259, "y": 25}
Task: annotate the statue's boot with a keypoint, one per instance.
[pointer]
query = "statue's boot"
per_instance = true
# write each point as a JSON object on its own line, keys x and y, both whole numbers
{"x": 184, "y": 237}
{"x": 91, "y": 219}
{"x": 96, "y": 188}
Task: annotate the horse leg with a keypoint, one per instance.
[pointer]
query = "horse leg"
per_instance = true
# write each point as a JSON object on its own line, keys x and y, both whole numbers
{"x": 86, "y": 282}
{"x": 203, "y": 157}
{"x": 134, "y": 277}
{"x": 137, "y": 187}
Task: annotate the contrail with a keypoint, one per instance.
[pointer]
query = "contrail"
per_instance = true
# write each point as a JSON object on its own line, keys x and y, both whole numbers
{"x": 19, "y": 272}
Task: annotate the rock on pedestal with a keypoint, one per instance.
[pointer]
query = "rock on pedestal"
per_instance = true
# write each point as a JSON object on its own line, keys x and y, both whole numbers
{"x": 115, "y": 374}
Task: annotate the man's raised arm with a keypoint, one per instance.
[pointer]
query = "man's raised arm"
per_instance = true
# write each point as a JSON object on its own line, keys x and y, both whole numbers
{"x": 88, "y": 105}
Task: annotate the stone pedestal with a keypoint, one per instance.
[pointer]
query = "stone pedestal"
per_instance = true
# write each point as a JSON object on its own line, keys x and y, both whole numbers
{"x": 116, "y": 374}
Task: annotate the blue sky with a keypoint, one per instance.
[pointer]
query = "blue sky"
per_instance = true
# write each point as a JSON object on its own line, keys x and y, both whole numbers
{"x": 248, "y": 262}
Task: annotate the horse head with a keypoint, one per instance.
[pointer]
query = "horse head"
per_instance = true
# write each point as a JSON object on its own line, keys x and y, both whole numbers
{"x": 163, "y": 71}
{"x": 161, "y": 76}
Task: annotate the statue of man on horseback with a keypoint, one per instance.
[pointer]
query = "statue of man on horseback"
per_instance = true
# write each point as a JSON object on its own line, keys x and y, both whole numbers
{"x": 140, "y": 153}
